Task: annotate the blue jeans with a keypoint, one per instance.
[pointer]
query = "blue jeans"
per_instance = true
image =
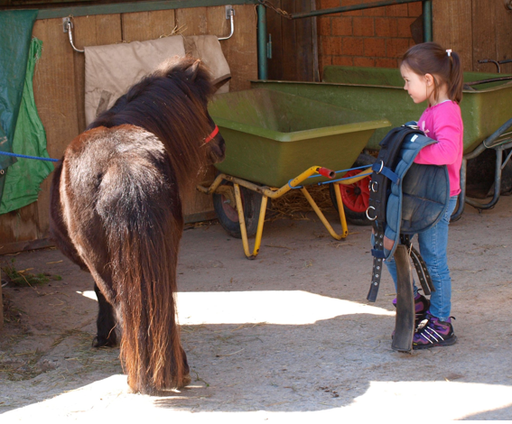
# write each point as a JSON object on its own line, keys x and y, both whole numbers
{"x": 432, "y": 245}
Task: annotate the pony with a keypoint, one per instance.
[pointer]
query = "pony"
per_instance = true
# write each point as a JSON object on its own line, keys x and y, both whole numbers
{"x": 116, "y": 211}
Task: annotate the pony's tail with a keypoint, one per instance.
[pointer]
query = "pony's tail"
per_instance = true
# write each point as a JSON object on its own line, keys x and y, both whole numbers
{"x": 150, "y": 347}
{"x": 141, "y": 213}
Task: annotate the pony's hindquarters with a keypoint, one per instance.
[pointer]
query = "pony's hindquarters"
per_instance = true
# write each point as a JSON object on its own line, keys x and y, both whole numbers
{"x": 123, "y": 212}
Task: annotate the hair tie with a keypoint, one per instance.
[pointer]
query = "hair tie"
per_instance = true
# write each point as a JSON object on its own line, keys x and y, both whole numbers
{"x": 449, "y": 52}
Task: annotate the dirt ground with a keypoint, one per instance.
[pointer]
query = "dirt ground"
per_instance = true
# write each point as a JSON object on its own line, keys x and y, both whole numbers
{"x": 287, "y": 336}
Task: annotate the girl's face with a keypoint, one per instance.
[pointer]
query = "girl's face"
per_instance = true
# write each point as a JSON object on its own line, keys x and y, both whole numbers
{"x": 419, "y": 87}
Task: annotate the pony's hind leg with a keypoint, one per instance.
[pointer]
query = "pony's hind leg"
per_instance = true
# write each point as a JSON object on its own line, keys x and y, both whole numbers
{"x": 106, "y": 323}
{"x": 186, "y": 370}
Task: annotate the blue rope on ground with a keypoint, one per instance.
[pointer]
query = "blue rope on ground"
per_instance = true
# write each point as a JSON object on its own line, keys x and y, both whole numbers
{"x": 28, "y": 157}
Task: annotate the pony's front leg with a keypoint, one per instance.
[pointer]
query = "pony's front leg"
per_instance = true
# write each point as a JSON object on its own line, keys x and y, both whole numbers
{"x": 106, "y": 322}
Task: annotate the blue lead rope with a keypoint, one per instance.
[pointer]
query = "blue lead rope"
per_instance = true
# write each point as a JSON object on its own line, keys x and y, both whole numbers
{"x": 333, "y": 181}
{"x": 28, "y": 157}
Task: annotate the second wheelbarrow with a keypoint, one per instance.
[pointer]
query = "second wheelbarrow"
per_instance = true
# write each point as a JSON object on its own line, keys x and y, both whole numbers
{"x": 485, "y": 110}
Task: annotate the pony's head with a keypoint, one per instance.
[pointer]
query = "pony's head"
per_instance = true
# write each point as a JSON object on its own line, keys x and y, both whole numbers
{"x": 172, "y": 103}
{"x": 195, "y": 76}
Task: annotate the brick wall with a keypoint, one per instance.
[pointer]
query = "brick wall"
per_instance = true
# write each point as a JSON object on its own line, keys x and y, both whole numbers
{"x": 374, "y": 37}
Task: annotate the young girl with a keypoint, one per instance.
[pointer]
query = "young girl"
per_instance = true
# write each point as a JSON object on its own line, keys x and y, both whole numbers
{"x": 434, "y": 74}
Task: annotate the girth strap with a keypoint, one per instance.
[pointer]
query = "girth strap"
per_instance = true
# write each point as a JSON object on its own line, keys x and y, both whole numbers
{"x": 379, "y": 168}
{"x": 376, "y": 274}
{"x": 419, "y": 265}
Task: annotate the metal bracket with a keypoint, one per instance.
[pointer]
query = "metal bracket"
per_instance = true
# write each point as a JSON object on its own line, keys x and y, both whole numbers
{"x": 67, "y": 25}
{"x": 230, "y": 13}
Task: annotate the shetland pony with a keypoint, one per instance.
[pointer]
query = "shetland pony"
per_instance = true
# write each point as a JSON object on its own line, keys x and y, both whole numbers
{"x": 116, "y": 211}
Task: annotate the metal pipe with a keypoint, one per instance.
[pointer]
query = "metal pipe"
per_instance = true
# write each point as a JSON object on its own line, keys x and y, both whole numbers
{"x": 361, "y": 6}
{"x": 262, "y": 43}
{"x": 497, "y": 186}
{"x": 427, "y": 20}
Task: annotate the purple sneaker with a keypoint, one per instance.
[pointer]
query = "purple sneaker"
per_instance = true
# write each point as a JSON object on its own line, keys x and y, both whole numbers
{"x": 421, "y": 306}
{"x": 434, "y": 333}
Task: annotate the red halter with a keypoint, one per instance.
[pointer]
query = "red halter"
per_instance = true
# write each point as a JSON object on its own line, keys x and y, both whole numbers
{"x": 212, "y": 135}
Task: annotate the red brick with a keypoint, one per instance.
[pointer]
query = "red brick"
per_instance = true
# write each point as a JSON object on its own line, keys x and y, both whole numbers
{"x": 396, "y": 47}
{"x": 386, "y": 63}
{"x": 331, "y": 46}
{"x": 374, "y": 47}
{"x": 397, "y": 10}
{"x": 364, "y": 61}
{"x": 375, "y": 11}
{"x": 342, "y": 61}
{"x": 404, "y": 27}
{"x": 415, "y": 9}
{"x": 324, "y": 25}
{"x": 328, "y": 4}
{"x": 352, "y": 46}
{"x": 353, "y": 3}
{"x": 386, "y": 27}
{"x": 353, "y": 13}
{"x": 363, "y": 27}
{"x": 341, "y": 26}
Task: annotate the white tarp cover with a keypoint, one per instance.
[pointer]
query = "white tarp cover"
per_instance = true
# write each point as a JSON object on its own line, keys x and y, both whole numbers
{"x": 110, "y": 70}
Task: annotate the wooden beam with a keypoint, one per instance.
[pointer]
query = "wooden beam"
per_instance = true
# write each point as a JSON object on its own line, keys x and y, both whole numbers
{"x": 25, "y": 245}
{"x": 141, "y": 6}
{"x": 453, "y": 28}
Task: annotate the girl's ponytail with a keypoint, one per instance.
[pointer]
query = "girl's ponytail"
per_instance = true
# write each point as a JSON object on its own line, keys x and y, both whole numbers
{"x": 456, "y": 80}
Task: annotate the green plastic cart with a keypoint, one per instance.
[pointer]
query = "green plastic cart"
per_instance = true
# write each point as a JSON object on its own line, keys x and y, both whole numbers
{"x": 276, "y": 142}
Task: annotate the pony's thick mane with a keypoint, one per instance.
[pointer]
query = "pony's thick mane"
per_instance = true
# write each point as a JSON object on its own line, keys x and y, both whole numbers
{"x": 167, "y": 103}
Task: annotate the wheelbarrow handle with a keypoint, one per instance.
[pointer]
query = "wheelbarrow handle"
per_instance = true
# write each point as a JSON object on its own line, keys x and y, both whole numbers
{"x": 325, "y": 172}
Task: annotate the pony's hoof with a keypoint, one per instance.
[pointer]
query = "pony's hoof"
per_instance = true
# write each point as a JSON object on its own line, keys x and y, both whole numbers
{"x": 185, "y": 382}
{"x": 103, "y": 342}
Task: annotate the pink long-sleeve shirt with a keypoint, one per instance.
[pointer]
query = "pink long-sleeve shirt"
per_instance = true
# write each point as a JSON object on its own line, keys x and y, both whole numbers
{"x": 443, "y": 122}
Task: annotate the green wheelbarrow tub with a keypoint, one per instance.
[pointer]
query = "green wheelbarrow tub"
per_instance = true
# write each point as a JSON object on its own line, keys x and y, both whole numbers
{"x": 272, "y": 137}
{"x": 379, "y": 92}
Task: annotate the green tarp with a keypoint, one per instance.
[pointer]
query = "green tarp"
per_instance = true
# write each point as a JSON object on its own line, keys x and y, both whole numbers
{"x": 21, "y": 130}
{"x": 23, "y": 178}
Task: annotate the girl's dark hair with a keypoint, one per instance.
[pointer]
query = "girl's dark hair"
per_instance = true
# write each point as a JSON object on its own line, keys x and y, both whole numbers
{"x": 443, "y": 65}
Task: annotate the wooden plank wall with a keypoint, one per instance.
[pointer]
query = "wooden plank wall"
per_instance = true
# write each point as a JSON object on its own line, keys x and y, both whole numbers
{"x": 294, "y": 48}
{"x": 476, "y": 29}
{"x": 59, "y": 89}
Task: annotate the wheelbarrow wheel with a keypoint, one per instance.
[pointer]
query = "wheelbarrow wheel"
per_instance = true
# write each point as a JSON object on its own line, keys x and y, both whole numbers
{"x": 225, "y": 208}
{"x": 356, "y": 197}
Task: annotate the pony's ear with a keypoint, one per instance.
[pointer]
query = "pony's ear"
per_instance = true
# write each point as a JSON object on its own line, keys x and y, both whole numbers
{"x": 219, "y": 82}
{"x": 194, "y": 69}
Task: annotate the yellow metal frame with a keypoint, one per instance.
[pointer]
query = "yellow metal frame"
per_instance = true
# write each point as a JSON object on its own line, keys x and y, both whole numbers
{"x": 274, "y": 193}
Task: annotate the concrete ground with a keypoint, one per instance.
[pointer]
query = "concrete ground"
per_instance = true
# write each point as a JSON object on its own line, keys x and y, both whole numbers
{"x": 286, "y": 337}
